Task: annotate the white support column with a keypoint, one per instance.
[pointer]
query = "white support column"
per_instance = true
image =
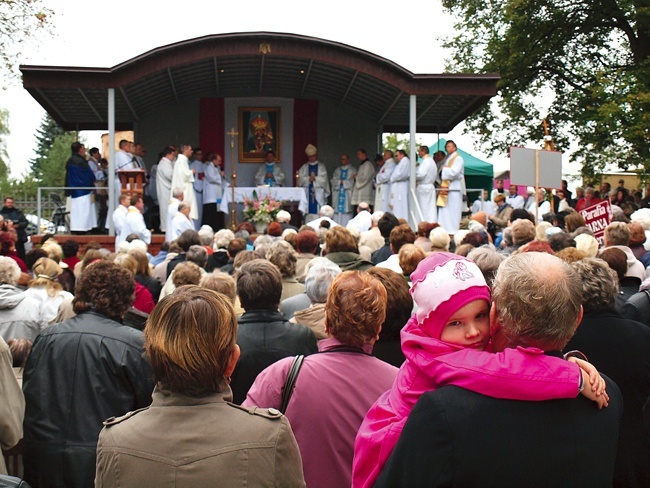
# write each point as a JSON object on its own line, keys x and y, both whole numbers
{"x": 111, "y": 161}
{"x": 413, "y": 156}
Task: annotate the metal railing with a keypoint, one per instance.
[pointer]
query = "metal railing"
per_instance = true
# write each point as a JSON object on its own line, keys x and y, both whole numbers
{"x": 416, "y": 211}
{"x": 39, "y": 199}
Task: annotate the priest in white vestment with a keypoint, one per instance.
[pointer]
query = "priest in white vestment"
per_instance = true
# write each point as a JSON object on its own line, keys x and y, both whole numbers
{"x": 181, "y": 221}
{"x": 362, "y": 221}
{"x": 425, "y": 175}
{"x": 172, "y": 210}
{"x": 124, "y": 160}
{"x": 325, "y": 215}
{"x": 312, "y": 176}
{"x": 363, "y": 185}
{"x": 198, "y": 168}
{"x": 399, "y": 186}
{"x": 382, "y": 182}
{"x": 184, "y": 178}
{"x": 164, "y": 184}
{"x": 342, "y": 183}
{"x": 452, "y": 179}
{"x": 119, "y": 214}
{"x": 134, "y": 223}
{"x": 270, "y": 173}
{"x": 213, "y": 186}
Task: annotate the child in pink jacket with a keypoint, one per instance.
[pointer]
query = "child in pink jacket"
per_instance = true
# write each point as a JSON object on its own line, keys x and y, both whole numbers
{"x": 444, "y": 342}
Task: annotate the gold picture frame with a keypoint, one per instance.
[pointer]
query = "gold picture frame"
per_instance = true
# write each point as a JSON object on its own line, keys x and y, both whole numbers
{"x": 259, "y": 129}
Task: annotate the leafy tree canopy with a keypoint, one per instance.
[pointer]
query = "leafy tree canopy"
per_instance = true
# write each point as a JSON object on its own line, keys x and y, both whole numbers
{"x": 20, "y": 21}
{"x": 4, "y": 131}
{"x": 394, "y": 141}
{"x": 592, "y": 56}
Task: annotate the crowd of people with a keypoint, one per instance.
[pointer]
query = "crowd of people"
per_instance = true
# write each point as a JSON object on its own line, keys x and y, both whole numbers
{"x": 346, "y": 352}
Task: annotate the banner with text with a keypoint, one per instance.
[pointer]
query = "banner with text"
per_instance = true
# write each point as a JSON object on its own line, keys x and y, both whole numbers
{"x": 597, "y": 217}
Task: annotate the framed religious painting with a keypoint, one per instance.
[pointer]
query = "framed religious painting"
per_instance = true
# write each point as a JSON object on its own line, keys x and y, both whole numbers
{"x": 259, "y": 129}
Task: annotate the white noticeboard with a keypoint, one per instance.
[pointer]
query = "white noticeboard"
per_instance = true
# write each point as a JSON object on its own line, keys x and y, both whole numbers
{"x": 523, "y": 169}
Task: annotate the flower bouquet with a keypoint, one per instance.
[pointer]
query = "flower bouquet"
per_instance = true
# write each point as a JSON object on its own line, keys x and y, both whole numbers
{"x": 262, "y": 210}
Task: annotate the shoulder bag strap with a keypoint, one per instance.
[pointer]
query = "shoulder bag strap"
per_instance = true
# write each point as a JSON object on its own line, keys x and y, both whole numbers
{"x": 290, "y": 382}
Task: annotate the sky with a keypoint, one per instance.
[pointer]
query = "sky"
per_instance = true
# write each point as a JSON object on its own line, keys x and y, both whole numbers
{"x": 409, "y": 33}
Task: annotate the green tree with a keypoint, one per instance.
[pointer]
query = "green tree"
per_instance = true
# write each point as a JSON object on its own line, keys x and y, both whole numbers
{"x": 394, "y": 141}
{"x": 53, "y": 169}
{"x": 4, "y": 131}
{"x": 590, "y": 57}
{"x": 45, "y": 136}
{"x": 21, "y": 21}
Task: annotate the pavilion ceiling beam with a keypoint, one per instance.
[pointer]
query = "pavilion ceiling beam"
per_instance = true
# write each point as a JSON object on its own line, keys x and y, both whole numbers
{"x": 216, "y": 73}
{"x": 171, "y": 80}
{"x": 304, "y": 83}
{"x": 128, "y": 104}
{"x": 262, "y": 73}
{"x": 460, "y": 113}
{"x": 92, "y": 107}
{"x": 429, "y": 107}
{"x": 385, "y": 114}
{"x": 49, "y": 102}
{"x": 347, "y": 91}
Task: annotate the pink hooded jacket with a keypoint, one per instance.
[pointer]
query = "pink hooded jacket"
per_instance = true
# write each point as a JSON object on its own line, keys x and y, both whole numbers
{"x": 443, "y": 283}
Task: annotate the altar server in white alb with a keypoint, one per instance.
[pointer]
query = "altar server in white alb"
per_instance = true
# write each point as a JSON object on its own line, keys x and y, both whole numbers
{"x": 399, "y": 186}
{"x": 271, "y": 172}
{"x": 342, "y": 183}
{"x": 134, "y": 222}
{"x": 452, "y": 187}
{"x": 382, "y": 181}
{"x": 312, "y": 176}
{"x": 363, "y": 189}
{"x": 164, "y": 176}
{"x": 198, "y": 168}
{"x": 184, "y": 178}
{"x": 425, "y": 175}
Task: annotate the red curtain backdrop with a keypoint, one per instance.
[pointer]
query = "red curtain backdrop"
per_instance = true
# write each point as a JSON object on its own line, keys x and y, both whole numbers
{"x": 212, "y": 132}
{"x": 305, "y": 131}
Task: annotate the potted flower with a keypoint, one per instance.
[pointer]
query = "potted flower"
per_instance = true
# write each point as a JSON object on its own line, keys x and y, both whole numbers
{"x": 261, "y": 211}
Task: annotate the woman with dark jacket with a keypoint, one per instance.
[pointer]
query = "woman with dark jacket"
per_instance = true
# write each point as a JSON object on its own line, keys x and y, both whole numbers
{"x": 81, "y": 372}
{"x": 343, "y": 250}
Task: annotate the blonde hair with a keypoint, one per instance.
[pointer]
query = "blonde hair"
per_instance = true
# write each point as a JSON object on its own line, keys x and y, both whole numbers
{"x": 409, "y": 257}
{"x": 45, "y": 274}
{"x": 221, "y": 283}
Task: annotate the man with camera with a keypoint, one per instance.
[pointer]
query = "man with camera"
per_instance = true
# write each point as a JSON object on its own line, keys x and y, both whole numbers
{"x": 15, "y": 219}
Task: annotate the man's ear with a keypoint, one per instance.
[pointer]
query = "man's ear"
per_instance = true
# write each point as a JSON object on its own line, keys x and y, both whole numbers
{"x": 580, "y": 315}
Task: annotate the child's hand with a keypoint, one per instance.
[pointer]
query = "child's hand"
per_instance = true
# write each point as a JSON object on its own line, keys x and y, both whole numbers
{"x": 596, "y": 382}
{"x": 600, "y": 397}
{"x": 595, "y": 386}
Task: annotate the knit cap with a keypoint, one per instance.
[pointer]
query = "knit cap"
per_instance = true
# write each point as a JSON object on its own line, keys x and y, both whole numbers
{"x": 442, "y": 284}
